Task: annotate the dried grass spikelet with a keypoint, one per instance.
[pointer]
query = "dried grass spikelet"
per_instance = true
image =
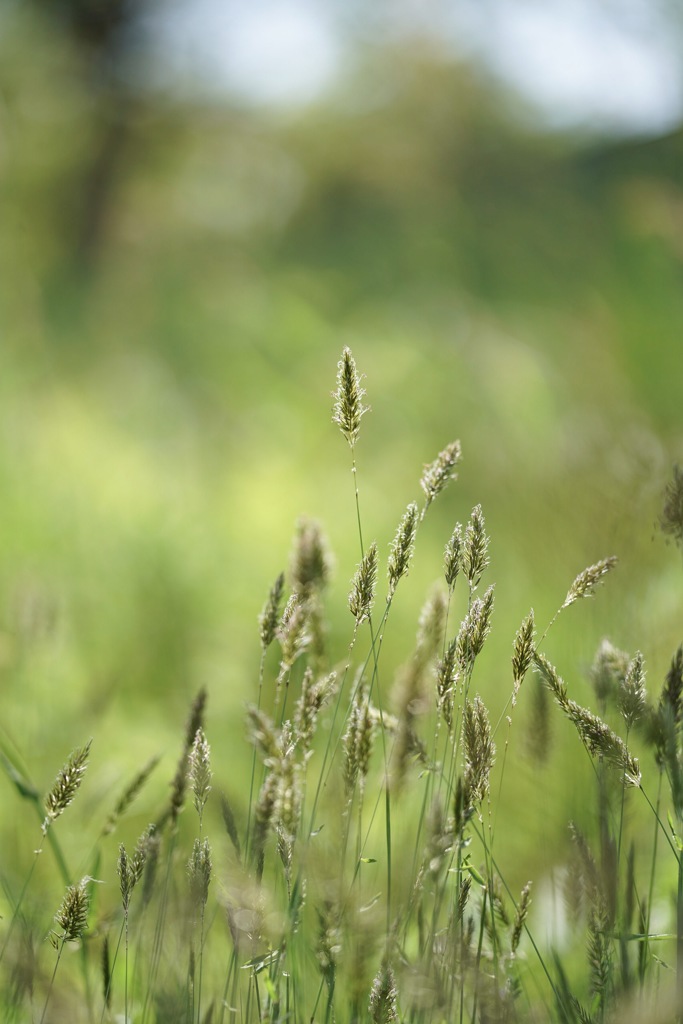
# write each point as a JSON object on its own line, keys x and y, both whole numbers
{"x": 431, "y": 625}
{"x": 520, "y": 916}
{"x": 608, "y": 671}
{"x": 199, "y": 872}
{"x": 596, "y": 736}
{"x": 270, "y": 615}
{"x": 632, "y": 696}
{"x": 199, "y": 771}
{"x": 523, "y": 652}
{"x": 452, "y": 557}
{"x": 402, "y": 548}
{"x": 383, "y": 1005}
{"x": 473, "y": 631}
{"x": 357, "y": 741}
{"x": 128, "y": 796}
{"x": 72, "y": 916}
{"x": 671, "y": 518}
{"x": 475, "y": 557}
{"x": 131, "y": 869}
{"x": 446, "y": 681}
{"x": 480, "y": 750}
{"x": 348, "y": 398}
{"x": 66, "y": 785}
{"x": 315, "y": 693}
{"x": 311, "y": 561}
{"x": 364, "y": 585}
{"x": 436, "y": 474}
{"x": 585, "y": 583}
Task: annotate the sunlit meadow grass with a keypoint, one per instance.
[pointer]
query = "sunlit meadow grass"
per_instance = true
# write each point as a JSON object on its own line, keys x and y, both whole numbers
{"x": 363, "y": 882}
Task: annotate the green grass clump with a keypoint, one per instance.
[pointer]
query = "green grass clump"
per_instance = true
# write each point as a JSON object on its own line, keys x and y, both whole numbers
{"x": 360, "y": 871}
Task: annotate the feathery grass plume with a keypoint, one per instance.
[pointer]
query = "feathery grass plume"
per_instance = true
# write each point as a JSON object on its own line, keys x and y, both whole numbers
{"x": 199, "y": 771}
{"x": 474, "y": 629}
{"x": 436, "y": 474}
{"x": 475, "y": 556}
{"x": 585, "y": 583}
{"x": 452, "y": 557}
{"x": 362, "y": 596}
{"x": 231, "y": 825}
{"x": 72, "y": 916}
{"x": 315, "y": 693}
{"x": 199, "y": 871}
{"x": 294, "y": 633}
{"x": 671, "y": 518}
{"x": 348, "y": 398}
{"x": 402, "y": 547}
{"x": 632, "y": 697}
{"x": 195, "y": 722}
{"x": 383, "y": 1006}
{"x": 520, "y": 916}
{"x": 311, "y": 561}
{"x": 66, "y": 785}
{"x": 446, "y": 681}
{"x": 357, "y": 741}
{"x": 523, "y": 652}
{"x": 431, "y": 625}
{"x": 480, "y": 750}
{"x": 596, "y": 736}
{"x": 608, "y": 671}
{"x": 128, "y": 796}
{"x": 270, "y": 615}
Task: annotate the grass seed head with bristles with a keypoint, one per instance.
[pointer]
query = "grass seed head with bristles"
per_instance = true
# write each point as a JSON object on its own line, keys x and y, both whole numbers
{"x": 446, "y": 681}
{"x": 199, "y": 771}
{"x": 315, "y": 693}
{"x": 452, "y": 557}
{"x": 294, "y": 632}
{"x": 179, "y": 785}
{"x": 475, "y": 557}
{"x": 264, "y": 735}
{"x": 383, "y": 1006}
{"x": 632, "y": 696}
{"x": 436, "y": 474}
{"x": 671, "y": 518}
{"x": 585, "y": 583}
{"x": 521, "y": 916}
{"x": 672, "y": 693}
{"x": 66, "y": 785}
{"x": 263, "y": 819}
{"x": 402, "y": 547}
{"x": 348, "y": 398}
{"x": 596, "y": 735}
{"x": 474, "y": 629}
{"x": 311, "y": 561}
{"x": 72, "y": 916}
{"x": 362, "y": 596}
{"x": 131, "y": 869}
{"x": 608, "y": 671}
{"x": 199, "y": 871}
{"x": 270, "y": 615}
{"x": 358, "y": 741}
{"x": 480, "y": 750}
{"x": 431, "y": 625}
{"x": 523, "y": 652}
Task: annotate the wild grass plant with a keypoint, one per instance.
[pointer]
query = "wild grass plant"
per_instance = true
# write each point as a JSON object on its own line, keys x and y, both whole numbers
{"x": 363, "y": 877}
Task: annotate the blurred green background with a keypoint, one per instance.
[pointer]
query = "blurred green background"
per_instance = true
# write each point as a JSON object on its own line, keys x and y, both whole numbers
{"x": 180, "y": 269}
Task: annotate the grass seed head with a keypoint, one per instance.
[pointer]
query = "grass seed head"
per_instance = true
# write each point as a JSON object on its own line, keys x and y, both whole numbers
{"x": 436, "y": 474}
{"x": 66, "y": 785}
{"x": 348, "y": 398}
{"x": 523, "y": 650}
{"x": 452, "y": 557}
{"x": 270, "y": 615}
{"x": 364, "y": 585}
{"x": 199, "y": 871}
{"x": 383, "y": 1004}
{"x": 199, "y": 771}
{"x": 72, "y": 916}
{"x": 608, "y": 671}
{"x": 632, "y": 697}
{"x": 475, "y": 557}
{"x": 480, "y": 750}
{"x": 402, "y": 547}
{"x": 585, "y": 583}
{"x": 311, "y": 560}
